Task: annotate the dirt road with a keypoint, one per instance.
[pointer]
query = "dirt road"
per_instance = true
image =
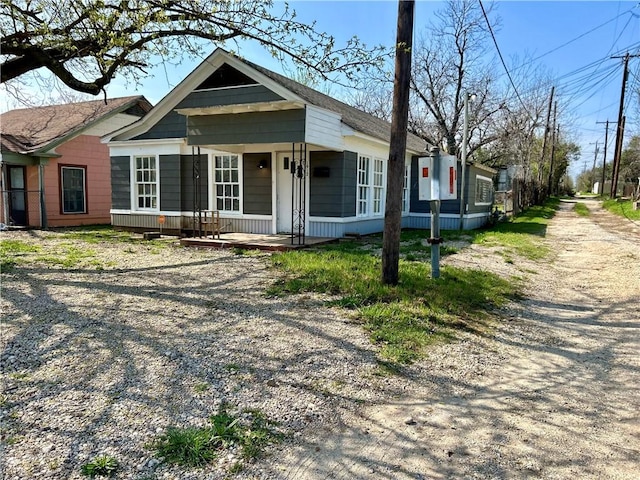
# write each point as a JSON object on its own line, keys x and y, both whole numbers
{"x": 555, "y": 394}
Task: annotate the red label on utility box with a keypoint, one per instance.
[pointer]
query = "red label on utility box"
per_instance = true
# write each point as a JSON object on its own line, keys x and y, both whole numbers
{"x": 425, "y": 172}
{"x": 452, "y": 179}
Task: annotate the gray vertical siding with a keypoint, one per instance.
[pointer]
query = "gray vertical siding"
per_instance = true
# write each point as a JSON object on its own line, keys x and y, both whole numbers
{"x": 255, "y": 127}
{"x": 326, "y": 192}
{"x": 170, "y": 183}
{"x": 350, "y": 187}
{"x": 256, "y": 184}
{"x": 121, "y": 183}
{"x": 187, "y": 189}
{"x": 335, "y": 195}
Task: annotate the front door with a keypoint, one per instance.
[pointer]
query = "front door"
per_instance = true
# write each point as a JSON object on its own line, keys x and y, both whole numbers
{"x": 17, "y": 194}
{"x": 283, "y": 192}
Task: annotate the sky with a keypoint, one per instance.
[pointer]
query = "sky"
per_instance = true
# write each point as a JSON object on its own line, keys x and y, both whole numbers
{"x": 572, "y": 40}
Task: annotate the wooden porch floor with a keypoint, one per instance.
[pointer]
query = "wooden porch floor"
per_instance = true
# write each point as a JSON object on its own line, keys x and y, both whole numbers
{"x": 252, "y": 241}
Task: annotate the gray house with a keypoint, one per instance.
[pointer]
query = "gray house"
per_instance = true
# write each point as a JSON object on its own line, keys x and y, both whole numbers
{"x": 271, "y": 156}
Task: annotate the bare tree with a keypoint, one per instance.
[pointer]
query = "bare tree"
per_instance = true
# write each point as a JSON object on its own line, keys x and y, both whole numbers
{"x": 451, "y": 62}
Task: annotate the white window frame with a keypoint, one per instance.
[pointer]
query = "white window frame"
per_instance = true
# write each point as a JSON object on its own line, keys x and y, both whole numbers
{"x": 377, "y": 174}
{"x": 480, "y": 178}
{"x": 84, "y": 189}
{"x": 226, "y": 183}
{"x": 152, "y": 181}
{"x": 364, "y": 186}
{"x": 406, "y": 198}
{"x": 371, "y": 183}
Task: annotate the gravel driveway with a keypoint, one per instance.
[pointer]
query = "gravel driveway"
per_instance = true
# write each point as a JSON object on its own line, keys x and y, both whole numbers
{"x": 102, "y": 361}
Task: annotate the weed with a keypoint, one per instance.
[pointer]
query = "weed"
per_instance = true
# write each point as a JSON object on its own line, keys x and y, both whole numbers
{"x": 197, "y": 446}
{"x": 201, "y": 387}
{"x": 13, "y": 252}
{"x": 405, "y": 319}
{"x": 103, "y": 465}
{"x": 97, "y": 234}
{"x": 581, "y": 209}
{"x": 622, "y": 208}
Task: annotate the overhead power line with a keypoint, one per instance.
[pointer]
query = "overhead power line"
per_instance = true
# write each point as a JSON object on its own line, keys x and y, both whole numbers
{"x": 495, "y": 42}
{"x": 569, "y": 42}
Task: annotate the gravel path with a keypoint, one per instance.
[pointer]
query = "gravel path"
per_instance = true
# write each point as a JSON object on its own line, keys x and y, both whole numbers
{"x": 102, "y": 361}
{"x": 555, "y": 394}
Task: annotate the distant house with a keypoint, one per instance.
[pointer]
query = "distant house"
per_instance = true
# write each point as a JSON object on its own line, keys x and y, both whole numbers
{"x": 55, "y": 170}
{"x": 271, "y": 156}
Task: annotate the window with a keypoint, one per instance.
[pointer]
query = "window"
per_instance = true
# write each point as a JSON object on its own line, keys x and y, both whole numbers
{"x": 364, "y": 167}
{"x": 72, "y": 180}
{"x": 146, "y": 187}
{"x": 405, "y": 189}
{"x": 378, "y": 187}
{"x": 484, "y": 191}
{"x": 227, "y": 177}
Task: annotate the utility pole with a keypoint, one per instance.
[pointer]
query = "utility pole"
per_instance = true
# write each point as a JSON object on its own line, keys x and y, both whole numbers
{"x": 604, "y": 160}
{"x": 553, "y": 147}
{"x": 398, "y": 144}
{"x": 620, "y": 129}
{"x": 546, "y": 132}
{"x": 593, "y": 169}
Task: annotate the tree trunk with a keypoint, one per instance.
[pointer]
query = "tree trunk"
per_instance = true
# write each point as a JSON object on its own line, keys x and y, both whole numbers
{"x": 398, "y": 144}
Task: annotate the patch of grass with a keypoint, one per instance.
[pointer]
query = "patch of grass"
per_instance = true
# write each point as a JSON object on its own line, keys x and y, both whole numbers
{"x": 622, "y": 208}
{"x": 201, "y": 387}
{"x": 581, "y": 209}
{"x": 13, "y": 251}
{"x": 197, "y": 446}
{"x": 522, "y": 233}
{"x": 69, "y": 256}
{"x": 103, "y": 465}
{"x": 64, "y": 254}
{"x": 97, "y": 234}
{"x": 403, "y": 319}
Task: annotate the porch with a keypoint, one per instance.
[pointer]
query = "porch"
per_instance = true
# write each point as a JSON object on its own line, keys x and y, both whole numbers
{"x": 253, "y": 241}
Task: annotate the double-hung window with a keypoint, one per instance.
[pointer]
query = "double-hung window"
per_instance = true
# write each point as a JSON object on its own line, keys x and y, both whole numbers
{"x": 484, "y": 191}
{"x": 405, "y": 189}
{"x": 370, "y": 186}
{"x": 364, "y": 185}
{"x": 73, "y": 184}
{"x": 378, "y": 186}
{"x": 227, "y": 176}
{"x": 146, "y": 187}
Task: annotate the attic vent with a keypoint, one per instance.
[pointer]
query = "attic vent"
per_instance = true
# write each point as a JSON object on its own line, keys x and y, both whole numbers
{"x": 226, "y": 76}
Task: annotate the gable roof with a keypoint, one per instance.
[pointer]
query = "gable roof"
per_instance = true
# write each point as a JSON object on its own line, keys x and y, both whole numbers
{"x": 35, "y": 130}
{"x": 289, "y": 89}
{"x": 351, "y": 116}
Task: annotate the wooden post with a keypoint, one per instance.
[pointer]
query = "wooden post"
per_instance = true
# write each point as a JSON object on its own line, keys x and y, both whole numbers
{"x": 398, "y": 144}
